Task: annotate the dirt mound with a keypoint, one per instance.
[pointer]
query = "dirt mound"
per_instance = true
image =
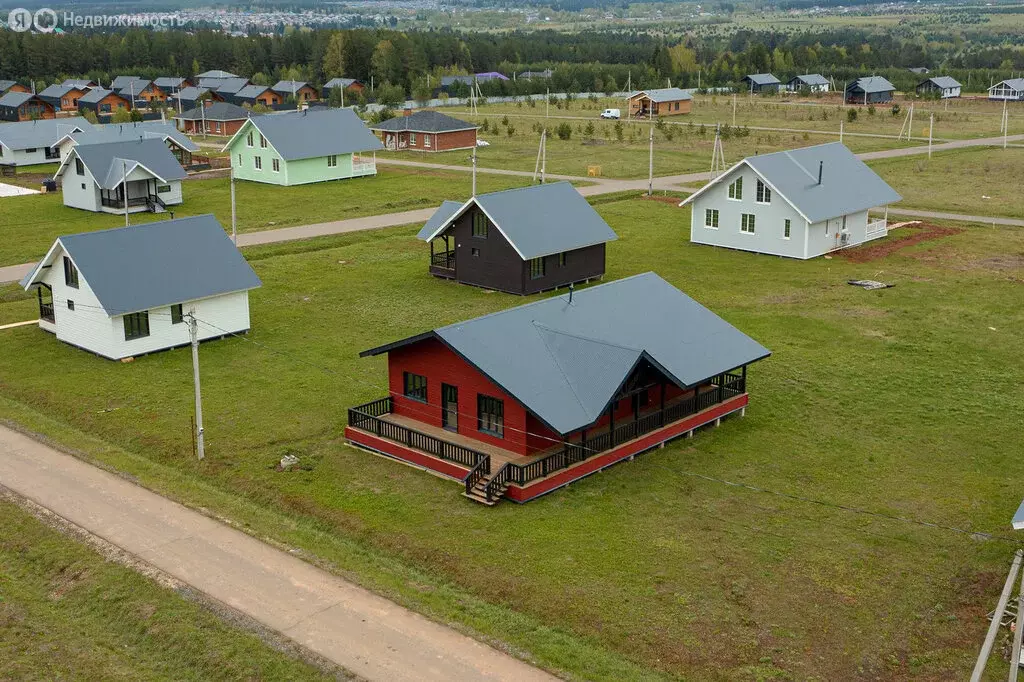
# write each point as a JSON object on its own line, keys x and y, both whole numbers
{"x": 909, "y": 236}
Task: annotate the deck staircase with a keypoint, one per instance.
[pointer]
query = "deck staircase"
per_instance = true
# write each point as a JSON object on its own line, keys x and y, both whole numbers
{"x": 478, "y": 482}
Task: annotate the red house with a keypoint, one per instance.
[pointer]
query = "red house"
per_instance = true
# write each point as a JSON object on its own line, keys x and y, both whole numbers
{"x": 521, "y": 402}
{"x": 426, "y": 131}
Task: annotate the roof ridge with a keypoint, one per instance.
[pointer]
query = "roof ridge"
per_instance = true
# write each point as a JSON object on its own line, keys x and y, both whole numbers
{"x": 140, "y": 226}
{"x": 524, "y": 187}
{"x": 586, "y": 338}
{"x": 558, "y": 364}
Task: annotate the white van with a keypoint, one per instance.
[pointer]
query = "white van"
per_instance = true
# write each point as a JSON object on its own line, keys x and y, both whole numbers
{"x": 611, "y": 113}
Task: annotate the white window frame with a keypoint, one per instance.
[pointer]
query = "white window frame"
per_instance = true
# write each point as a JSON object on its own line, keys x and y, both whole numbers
{"x": 412, "y": 139}
{"x": 730, "y": 191}
{"x": 747, "y": 223}
{"x": 257, "y": 162}
{"x": 332, "y": 161}
{"x": 787, "y": 229}
{"x": 263, "y": 141}
{"x": 763, "y": 190}
{"x": 426, "y": 140}
{"x": 275, "y": 165}
{"x": 711, "y": 217}
{"x": 248, "y": 140}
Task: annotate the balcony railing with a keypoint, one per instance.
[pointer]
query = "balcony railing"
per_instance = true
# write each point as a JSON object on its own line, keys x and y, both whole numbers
{"x": 360, "y": 165}
{"x": 876, "y": 229}
{"x": 119, "y": 203}
{"x": 445, "y": 259}
{"x": 46, "y": 312}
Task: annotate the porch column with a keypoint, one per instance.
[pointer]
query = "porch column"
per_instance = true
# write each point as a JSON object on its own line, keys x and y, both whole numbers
{"x": 583, "y": 438}
{"x": 635, "y": 404}
{"x": 663, "y": 402}
{"x": 611, "y": 424}
{"x": 743, "y": 381}
{"x": 431, "y": 251}
{"x": 721, "y": 387}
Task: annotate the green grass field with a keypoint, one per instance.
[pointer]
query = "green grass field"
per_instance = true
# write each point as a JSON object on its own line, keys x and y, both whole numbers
{"x": 899, "y": 401}
{"x": 66, "y": 613}
{"x": 28, "y": 225}
{"x": 988, "y": 182}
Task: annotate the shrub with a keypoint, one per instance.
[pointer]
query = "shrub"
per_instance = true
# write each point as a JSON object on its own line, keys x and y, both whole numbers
{"x": 851, "y": 115}
{"x": 504, "y": 121}
{"x": 511, "y": 130}
{"x": 619, "y": 130}
{"x": 589, "y": 130}
{"x": 895, "y": 109}
{"x": 871, "y": 110}
{"x": 564, "y": 131}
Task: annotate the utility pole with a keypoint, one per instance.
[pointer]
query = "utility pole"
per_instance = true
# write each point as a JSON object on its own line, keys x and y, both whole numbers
{"x": 997, "y": 617}
{"x": 840, "y": 129}
{"x": 734, "y": 110}
{"x": 650, "y": 163}
{"x": 124, "y": 190}
{"x": 234, "y": 217}
{"x": 193, "y": 329}
{"x": 931, "y": 126}
{"x": 474, "y": 171}
{"x": 1006, "y": 123}
{"x": 717, "y": 154}
{"x": 202, "y": 114}
{"x": 1018, "y": 632}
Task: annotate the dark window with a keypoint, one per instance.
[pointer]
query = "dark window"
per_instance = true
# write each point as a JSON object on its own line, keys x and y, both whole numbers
{"x": 562, "y": 259}
{"x": 479, "y": 225}
{"x": 71, "y": 304}
{"x": 70, "y": 273}
{"x": 490, "y": 415}
{"x": 79, "y": 167}
{"x": 536, "y": 267}
{"x": 475, "y": 252}
{"x": 136, "y": 326}
{"x": 415, "y": 386}
{"x": 176, "y": 314}
{"x": 163, "y": 189}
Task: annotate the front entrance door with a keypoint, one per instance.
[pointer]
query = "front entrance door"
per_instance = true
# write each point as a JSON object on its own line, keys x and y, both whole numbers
{"x": 450, "y": 407}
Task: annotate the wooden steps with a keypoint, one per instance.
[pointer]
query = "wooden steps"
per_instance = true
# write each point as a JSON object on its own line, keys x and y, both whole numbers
{"x": 479, "y": 493}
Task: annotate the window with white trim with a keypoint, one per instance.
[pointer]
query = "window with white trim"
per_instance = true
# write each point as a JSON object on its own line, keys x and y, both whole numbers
{"x": 764, "y": 193}
{"x": 257, "y": 162}
{"x": 736, "y": 189}
{"x": 747, "y": 223}
{"x": 248, "y": 140}
{"x": 332, "y": 161}
{"x": 711, "y": 218}
{"x": 426, "y": 140}
{"x": 263, "y": 141}
{"x": 275, "y": 165}
{"x": 787, "y": 228}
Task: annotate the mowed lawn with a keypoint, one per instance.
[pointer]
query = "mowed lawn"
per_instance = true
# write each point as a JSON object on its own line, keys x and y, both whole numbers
{"x": 29, "y": 224}
{"x": 987, "y": 182}
{"x": 903, "y": 401}
{"x": 679, "y": 147}
{"x": 68, "y": 613}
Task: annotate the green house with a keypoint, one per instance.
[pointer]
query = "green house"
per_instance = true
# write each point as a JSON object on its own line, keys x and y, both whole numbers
{"x": 300, "y": 147}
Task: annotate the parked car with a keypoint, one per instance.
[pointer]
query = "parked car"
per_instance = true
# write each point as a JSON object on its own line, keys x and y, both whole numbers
{"x": 483, "y": 143}
{"x": 611, "y": 113}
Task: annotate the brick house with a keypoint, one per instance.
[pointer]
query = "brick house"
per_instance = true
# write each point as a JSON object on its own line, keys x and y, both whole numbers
{"x": 426, "y": 131}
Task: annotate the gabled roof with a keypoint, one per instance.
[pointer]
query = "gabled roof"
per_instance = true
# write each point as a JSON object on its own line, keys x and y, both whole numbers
{"x": 313, "y": 133}
{"x": 811, "y": 79}
{"x": 169, "y": 82}
{"x": 191, "y": 93}
{"x": 491, "y": 75}
{"x": 218, "y": 111}
{"x": 1013, "y": 83}
{"x": 424, "y": 121}
{"x": 448, "y": 80}
{"x": 136, "y": 268}
{"x": 80, "y": 83}
{"x": 133, "y": 87}
{"x": 6, "y": 85}
{"x": 441, "y": 219}
{"x": 762, "y": 79}
{"x": 538, "y": 220}
{"x": 252, "y": 91}
{"x": 216, "y": 73}
{"x": 96, "y": 94}
{"x": 16, "y": 99}
{"x": 231, "y": 85}
{"x": 941, "y": 82}
{"x": 109, "y": 162}
{"x": 847, "y": 184}
{"x": 870, "y": 84}
{"x": 340, "y": 83}
{"x": 135, "y": 130}
{"x": 55, "y": 91}
{"x": 664, "y": 94}
{"x": 39, "y": 134}
{"x": 123, "y": 82}
{"x": 565, "y": 361}
{"x": 287, "y": 87}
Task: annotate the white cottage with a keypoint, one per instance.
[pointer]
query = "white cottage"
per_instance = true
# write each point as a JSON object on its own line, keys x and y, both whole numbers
{"x": 800, "y": 203}
{"x": 26, "y": 143}
{"x": 99, "y": 177}
{"x": 128, "y": 291}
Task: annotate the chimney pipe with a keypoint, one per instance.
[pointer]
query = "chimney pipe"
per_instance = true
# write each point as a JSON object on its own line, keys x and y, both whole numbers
{"x": 821, "y": 165}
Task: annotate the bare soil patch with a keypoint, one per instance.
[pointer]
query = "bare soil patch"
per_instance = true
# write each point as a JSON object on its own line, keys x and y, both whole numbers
{"x": 912, "y": 234}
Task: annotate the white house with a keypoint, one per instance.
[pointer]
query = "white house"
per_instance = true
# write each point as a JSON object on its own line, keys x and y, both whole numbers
{"x": 1010, "y": 89}
{"x": 812, "y": 82}
{"x": 96, "y": 177}
{"x": 25, "y": 143}
{"x": 946, "y": 87}
{"x": 178, "y": 142}
{"x": 800, "y": 203}
{"x": 129, "y": 291}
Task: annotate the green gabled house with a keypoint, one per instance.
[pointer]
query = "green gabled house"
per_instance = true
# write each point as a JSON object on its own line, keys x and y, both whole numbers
{"x": 300, "y": 147}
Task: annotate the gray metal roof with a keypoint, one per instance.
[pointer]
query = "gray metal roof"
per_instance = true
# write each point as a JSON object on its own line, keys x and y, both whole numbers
{"x": 252, "y": 91}
{"x": 871, "y": 84}
{"x": 137, "y": 268}
{"x": 123, "y": 82}
{"x": 538, "y": 220}
{"x": 762, "y": 79}
{"x": 231, "y": 85}
{"x": 80, "y": 83}
{"x": 316, "y": 132}
{"x": 95, "y": 95}
{"x": 440, "y": 220}
{"x": 172, "y": 82}
{"x": 942, "y": 82}
{"x": 339, "y": 83}
{"x": 286, "y": 87}
{"x": 566, "y": 361}
{"x": 847, "y": 184}
{"x": 664, "y": 94}
{"x": 108, "y": 162}
{"x": 6, "y": 85}
{"x": 55, "y": 91}
{"x": 191, "y": 93}
{"x": 138, "y": 130}
{"x": 134, "y": 87}
{"x": 39, "y": 134}
{"x": 424, "y": 121}
{"x": 216, "y": 73}
{"x": 1013, "y": 83}
{"x": 449, "y": 80}
{"x": 15, "y": 99}
{"x": 811, "y": 79}
{"x": 218, "y": 111}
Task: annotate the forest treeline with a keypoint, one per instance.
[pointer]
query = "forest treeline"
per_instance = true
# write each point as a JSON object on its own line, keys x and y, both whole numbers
{"x": 413, "y": 61}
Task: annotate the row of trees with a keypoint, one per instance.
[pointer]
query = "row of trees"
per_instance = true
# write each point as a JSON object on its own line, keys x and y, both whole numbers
{"x": 414, "y": 62}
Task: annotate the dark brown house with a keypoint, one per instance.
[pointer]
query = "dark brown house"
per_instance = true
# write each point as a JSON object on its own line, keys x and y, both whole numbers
{"x": 521, "y": 241}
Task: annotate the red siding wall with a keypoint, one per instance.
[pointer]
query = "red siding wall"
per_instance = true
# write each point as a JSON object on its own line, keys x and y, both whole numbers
{"x": 434, "y": 360}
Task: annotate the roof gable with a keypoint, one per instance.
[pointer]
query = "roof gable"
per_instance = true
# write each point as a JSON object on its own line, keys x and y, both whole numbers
{"x": 566, "y": 361}
{"x": 41, "y": 133}
{"x": 136, "y": 268}
{"x": 869, "y": 84}
{"x": 312, "y": 133}
{"x": 108, "y": 162}
{"x": 664, "y": 94}
{"x": 944, "y": 82}
{"x": 425, "y": 121}
{"x": 762, "y": 79}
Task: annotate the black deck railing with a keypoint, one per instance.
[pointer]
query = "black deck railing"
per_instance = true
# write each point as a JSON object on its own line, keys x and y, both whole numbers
{"x": 444, "y": 259}
{"x": 367, "y": 418}
{"x": 132, "y": 201}
{"x": 46, "y": 312}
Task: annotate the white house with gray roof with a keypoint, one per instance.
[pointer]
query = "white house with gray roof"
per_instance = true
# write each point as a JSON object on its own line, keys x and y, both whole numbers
{"x": 800, "y": 203}
{"x": 25, "y": 143}
{"x": 181, "y": 146}
{"x": 99, "y": 177}
{"x": 762, "y": 82}
{"x": 1011, "y": 89}
{"x": 946, "y": 87}
{"x": 811, "y": 82}
{"x": 123, "y": 292}
{"x": 870, "y": 90}
{"x": 300, "y": 147}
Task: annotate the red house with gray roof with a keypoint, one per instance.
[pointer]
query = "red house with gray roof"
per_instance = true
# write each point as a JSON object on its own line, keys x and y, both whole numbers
{"x": 518, "y": 403}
